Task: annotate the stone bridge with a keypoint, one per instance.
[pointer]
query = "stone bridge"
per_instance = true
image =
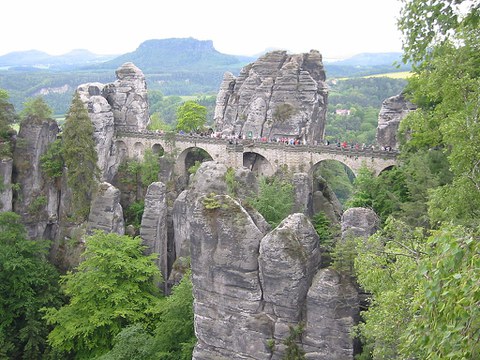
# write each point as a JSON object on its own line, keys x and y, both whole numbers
{"x": 263, "y": 157}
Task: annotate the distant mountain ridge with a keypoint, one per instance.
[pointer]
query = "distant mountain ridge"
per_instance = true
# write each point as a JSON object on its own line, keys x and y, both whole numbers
{"x": 177, "y": 54}
{"x": 36, "y": 58}
{"x": 370, "y": 59}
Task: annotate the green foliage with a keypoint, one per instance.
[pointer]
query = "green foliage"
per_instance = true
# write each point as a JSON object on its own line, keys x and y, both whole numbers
{"x": 386, "y": 268}
{"x": 293, "y": 351}
{"x": 363, "y": 97}
{"x": 80, "y": 157}
{"x": 52, "y": 160}
{"x": 338, "y": 177}
{"x": 447, "y": 316}
{"x": 149, "y": 168}
{"x": 156, "y": 123}
{"x": 274, "y": 200}
{"x": 36, "y": 108}
{"x": 210, "y": 203}
{"x": 37, "y": 204}
{"x": 144, "y": 172}
{"x": 383, "y": 194}
{"x": 134, "y": 213}
{"x": 426, "y": 24}
{"x": 193, "y": 169}
{"x": 27, "y": 284}
{"x": 191, "y": 116}
{"x": 113, "y": 287}
{"x": 173, "y": 337}
{"x": 325, "y": 230}
{"x": 232, "y": 183}
{"x": 7, "y": 118}
{"x": 424, "y": 292}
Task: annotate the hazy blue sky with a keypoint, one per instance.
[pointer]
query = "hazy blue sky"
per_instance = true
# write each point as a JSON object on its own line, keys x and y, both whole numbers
{"x": 337, "y": 28}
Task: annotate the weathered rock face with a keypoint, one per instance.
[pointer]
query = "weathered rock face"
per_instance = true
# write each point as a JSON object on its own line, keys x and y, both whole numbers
{"x": 153, "y": 228}
{"x": 106, "y": 213}
{"x": 279, "y": 95}
{"x": 324, "y": 200}
{"x": 332, "y": 311}
{"x": 128, "y": 97}
{"x": 6, "y": 194}
{"x": 251, "y": 287}
{"x": 359, "y": 222}
{"x": 39, "y": 200}
{"x": 123, "y": 103}
{"x": 393, "y": 110}
{"x": 101, "y": 114}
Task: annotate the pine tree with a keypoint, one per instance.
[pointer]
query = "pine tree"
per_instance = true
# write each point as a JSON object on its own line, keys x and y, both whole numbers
{"x": 80, "y": 157}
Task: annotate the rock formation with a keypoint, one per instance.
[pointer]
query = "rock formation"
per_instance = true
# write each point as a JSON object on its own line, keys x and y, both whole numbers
{"x": 6, "y": 193}
{"x": 393, "y": 110}
{"x": 359, "y": 222}
{"x": 101, "y": 114}
{"x": 106, "y": 213}
{"x": 252, "y": 286}
{"x": 128, "y": 97}
{"x": 153, "y": 229}
{"x": 124, "y": 104}
{"x": 279, "y": 95}
{"x": 39, "y": 197}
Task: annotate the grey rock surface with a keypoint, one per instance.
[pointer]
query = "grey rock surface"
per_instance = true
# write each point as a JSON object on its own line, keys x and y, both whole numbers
{"x": 106, "y": 213}
{"x": 153, "y": 228}
{"x": 128, "y": 97}
{"x": 38, "y": 203}
{"x": 6, "y": 195}
{"x": 393, "y": 110}
{"x": 279, "y": 95}
{"x": 359, "y": 222}
{"x": 332, "y": 311}
{"x": 101, "y": 114}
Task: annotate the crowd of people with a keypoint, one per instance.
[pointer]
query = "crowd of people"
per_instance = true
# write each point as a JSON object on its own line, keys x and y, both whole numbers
{"x": 239, "y": 139}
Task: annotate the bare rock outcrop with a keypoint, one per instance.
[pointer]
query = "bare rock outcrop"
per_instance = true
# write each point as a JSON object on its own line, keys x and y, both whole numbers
{"x": 359, "y": 222}
{"x": 39, "y": 200}
{"x": 121, "y": 104}
{"x": 252, "y": 286}
{"x": 6, "y": 193}
{"x": 324, "y": 200}
{"x": 332, "y": 311}
{"x": 101, "y": 115}
{"x": 279, "y": 95}
{"x": 393, "y": 110}
{"x": 106, "y": 213}
{"x": 128, "y": 97}
{"x": 153, "y": 228}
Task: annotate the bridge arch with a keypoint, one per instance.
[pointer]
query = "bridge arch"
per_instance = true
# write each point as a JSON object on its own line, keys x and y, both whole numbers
{"x": 187, "y": 158}
{"x": 158, "y": 149}
{"x": 336, "y": 174}
{"x": 138, "y": 150}
{"x": 257, "y": 163}
{"x": 120, "y": 151}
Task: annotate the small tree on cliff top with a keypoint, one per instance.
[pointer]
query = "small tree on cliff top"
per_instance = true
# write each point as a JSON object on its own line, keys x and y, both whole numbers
{"x": 191, "y": 116}
{"x": 80, "y": 156}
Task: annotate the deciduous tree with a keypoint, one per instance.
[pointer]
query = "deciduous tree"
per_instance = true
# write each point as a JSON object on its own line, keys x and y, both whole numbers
{"x": 113, "y": 287}
{"x": 191, "y": 116}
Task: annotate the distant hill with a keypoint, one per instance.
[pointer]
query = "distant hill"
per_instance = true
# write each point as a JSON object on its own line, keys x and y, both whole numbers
{"x": 370, "y": 59}
{"x": 178, "y": 54}
{"x": 38, "y": 59}
{"x": 365, "y": 64}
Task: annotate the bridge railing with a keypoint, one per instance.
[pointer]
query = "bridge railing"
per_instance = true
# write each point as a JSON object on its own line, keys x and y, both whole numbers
{"x": 241, "y": 145}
